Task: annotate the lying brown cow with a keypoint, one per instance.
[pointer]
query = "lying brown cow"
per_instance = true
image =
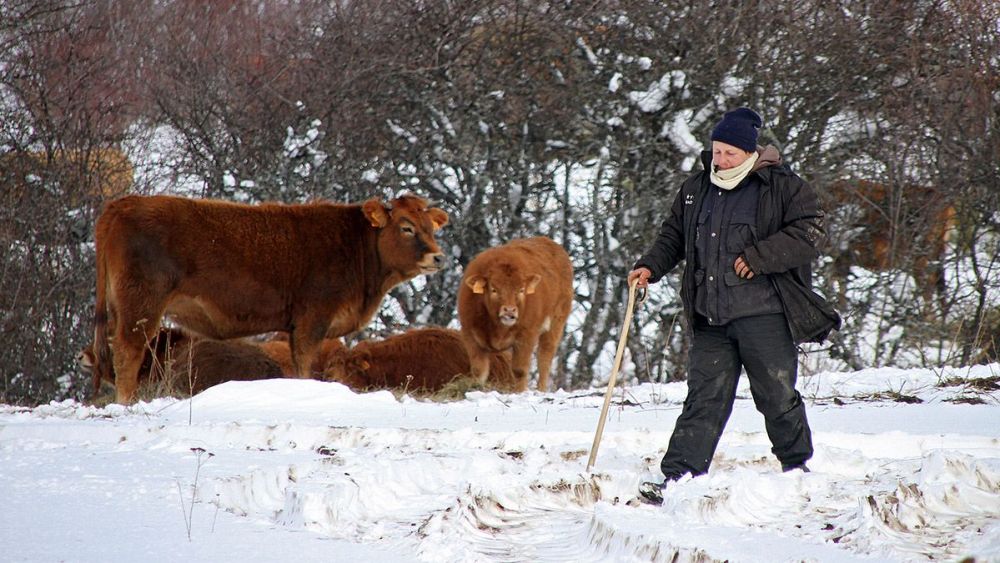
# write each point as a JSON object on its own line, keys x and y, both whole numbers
{"x": 167, "y": 343}
{"x": 280, "y": 351}
{"x": 205, "y": 363}
{"x": 225, "y": 270}
{"x": 424, "y": 359}
{"x": 172, "y": 360}
{"x": 516, "y": 297}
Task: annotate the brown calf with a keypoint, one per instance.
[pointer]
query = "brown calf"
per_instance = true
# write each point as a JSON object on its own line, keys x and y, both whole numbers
{"x": 516, "y": 297}
{"x": 205, "y": 363}
{"x": 225, "y": 270}
{"x": 424, "y": 359}
{"x": 173, "y": 359}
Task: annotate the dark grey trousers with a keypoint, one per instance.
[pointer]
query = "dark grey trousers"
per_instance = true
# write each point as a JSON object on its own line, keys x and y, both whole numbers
{"x": 763, "y": 346}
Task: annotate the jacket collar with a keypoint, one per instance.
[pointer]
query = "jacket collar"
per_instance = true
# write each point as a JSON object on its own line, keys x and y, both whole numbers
{"x": 767, "y": 157}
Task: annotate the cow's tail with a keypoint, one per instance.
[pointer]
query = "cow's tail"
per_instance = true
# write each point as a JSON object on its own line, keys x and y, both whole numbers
{"x": 102, "y": 368}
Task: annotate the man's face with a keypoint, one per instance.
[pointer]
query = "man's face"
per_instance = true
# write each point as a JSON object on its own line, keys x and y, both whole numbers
{"x": 726, "y": 156}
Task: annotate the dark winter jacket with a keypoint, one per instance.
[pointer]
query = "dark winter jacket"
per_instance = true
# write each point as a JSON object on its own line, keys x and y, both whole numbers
{"x": 788, "y": 230}
{"x": 727, "y": 225}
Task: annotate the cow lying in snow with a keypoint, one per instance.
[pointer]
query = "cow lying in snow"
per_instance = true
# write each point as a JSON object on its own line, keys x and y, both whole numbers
{"x": 205, "y": 363}
{"x": 225, "y": 270}
{"x": 431, "y": 357}
{"x": 516, "y": 297}
{"x": 181, "y": 364}
{"x": 424, "y": 359}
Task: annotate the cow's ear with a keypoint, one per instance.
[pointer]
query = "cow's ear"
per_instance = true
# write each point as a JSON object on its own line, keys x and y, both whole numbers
{"x": 533, "y": 283}
{"x": 477, "y": 284}
{"x": 376, "y": 212}
{"x": 438, "y": 217}
{"x": 364, "y": 361}
{"x": 360, "y": 360}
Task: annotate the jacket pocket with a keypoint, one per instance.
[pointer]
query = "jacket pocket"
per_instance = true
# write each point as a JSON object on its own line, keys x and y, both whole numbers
{"x": 742, "y": 231}
{"x": 750, "y": 297}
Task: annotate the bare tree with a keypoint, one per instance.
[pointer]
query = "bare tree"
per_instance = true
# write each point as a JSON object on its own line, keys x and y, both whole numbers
{"x": 64, "y": 108}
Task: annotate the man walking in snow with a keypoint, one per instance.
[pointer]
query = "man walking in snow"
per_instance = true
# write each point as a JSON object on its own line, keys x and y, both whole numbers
{"x": 747, "y": 228}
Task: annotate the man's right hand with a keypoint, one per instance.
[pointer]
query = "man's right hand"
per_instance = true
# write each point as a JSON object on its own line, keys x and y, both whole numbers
{"x": 642, "y": 274}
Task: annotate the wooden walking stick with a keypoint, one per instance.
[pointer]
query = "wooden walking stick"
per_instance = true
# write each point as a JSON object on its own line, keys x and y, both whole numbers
{"x": 614, "y": 369}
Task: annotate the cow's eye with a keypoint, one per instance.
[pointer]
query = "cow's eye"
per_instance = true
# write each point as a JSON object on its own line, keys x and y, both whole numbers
{"x": 408, "y": 230}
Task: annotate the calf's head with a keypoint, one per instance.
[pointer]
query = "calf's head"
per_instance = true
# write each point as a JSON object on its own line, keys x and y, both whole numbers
{"x": 504, "y": 289}
{"x": 406, "y": 230}
{"x": 349, "y": 367}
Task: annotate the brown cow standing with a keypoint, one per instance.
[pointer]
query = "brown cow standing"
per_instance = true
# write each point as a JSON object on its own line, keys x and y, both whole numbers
{"x": 516, "y": 297}
{"x": 224, "y": 270}
{"x": 890, "y": 227}
{"x": 423, "y": 359}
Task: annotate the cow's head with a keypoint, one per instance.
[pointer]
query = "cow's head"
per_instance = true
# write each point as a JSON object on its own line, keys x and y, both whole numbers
{"x": 406, "y": 230}
{"x": 85, "y": 365}
{"x": 349, "y": 367}
{"x": 504, "y": 288}
{"x": 85, "y": 359}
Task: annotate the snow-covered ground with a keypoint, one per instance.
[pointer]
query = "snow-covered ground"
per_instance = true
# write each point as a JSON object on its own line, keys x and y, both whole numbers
{"x": 309, "y": 471}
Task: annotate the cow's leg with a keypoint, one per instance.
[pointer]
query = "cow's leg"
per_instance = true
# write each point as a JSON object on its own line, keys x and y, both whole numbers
{"x": 548, "y": 343}
{"x": 520, "y": 361}
{"x": 304, "y": 341}
{"x": 479, "y": 363}
{"x": 139, "y": 303}
{"x": 131, "y": 339}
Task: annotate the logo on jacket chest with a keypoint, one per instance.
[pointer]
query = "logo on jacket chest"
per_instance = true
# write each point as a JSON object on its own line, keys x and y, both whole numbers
{"x": 689, "y": 199}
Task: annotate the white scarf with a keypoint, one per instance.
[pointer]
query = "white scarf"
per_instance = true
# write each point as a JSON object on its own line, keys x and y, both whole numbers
{"x": 729, "y": 179}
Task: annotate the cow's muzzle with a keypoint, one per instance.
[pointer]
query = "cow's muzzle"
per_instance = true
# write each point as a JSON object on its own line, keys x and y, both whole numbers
{"x": 508, "y": 316}
{"x": 434, "y": 263}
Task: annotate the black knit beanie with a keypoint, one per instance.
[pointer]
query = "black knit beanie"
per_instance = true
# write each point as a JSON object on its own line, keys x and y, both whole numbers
{"x": 739, "y": 129}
